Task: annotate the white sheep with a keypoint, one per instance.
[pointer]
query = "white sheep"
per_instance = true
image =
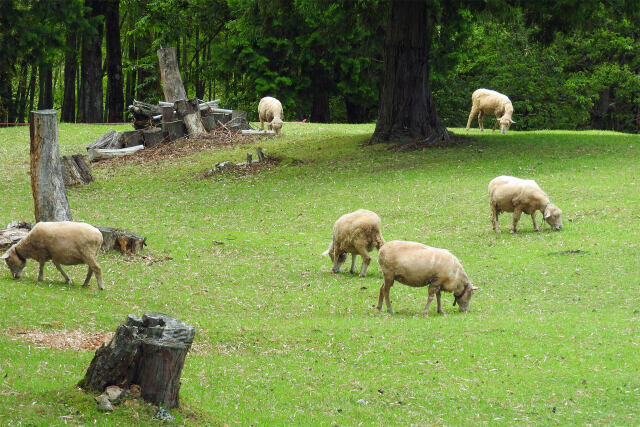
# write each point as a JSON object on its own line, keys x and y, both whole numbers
{"x": 485, "y": 101}
{"x": 64, "y": 242}
{"x": 270, "y": 111}
{"x": 356, "y": 233}
{"x": 511, "y": 194}
{"x": 418, "y": 265}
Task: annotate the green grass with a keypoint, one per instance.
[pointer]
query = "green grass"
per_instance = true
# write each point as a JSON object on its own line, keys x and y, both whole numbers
{"x": 552, "y": 337}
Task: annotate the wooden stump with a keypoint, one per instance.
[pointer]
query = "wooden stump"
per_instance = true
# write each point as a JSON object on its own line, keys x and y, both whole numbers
{"x": 168, "y": 114}
{"x": 131, "y": 138}
{"x": 152, "y": 137}
{"x": 239, "y": 120}
{"x": 126, "y": 242}
{"x": 49, "y": 194}
{"x": 110, "y": 140}
{"x": 173, "y": 130}
{"x": 149, "y": 352}
{"x": 170, "y": 75}
{"x": 222, "y": 117}
{"x": 209, "y": 122}
{"x": 189, "y": 112}
{"x": 75, "y": 170}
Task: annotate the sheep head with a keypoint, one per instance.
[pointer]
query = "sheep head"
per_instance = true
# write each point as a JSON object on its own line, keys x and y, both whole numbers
{"x": 505, "y": 123}
{"x": 553, "y": 215}
{"x": 276, "y": 125}
{"x": 15, "y": 263}
{"x": 464, "y": 299}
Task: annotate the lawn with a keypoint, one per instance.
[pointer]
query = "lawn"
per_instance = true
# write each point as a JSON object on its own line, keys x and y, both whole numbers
{"x": 552, "y": 336}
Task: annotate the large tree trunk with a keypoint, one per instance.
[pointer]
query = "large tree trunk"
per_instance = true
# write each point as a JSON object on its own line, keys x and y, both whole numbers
{"x": 47, "y": 186}
{"x": 356, "y": 113}
{"x": 90, "y": 102}
{"x": 115, "y": 99}
{"x": 407, "y": 112}
{"x": 45, "y": 83}
{"x": 320, "y": 107}
{"x": 70, "y": 71}
{"x": 170, "y": 74}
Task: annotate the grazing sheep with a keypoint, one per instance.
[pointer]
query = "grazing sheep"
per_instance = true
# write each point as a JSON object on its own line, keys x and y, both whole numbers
{"x": 64, "y": 242}
{"x": 355, "y": 233}
{"x": 510, "y": 194}
{"x": 485, "y": 101}
{"x": 270, "y": 111}
{"x": 417, "y": 265}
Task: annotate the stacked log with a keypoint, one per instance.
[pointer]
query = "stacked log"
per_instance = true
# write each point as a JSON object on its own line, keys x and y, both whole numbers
{"x": 75, "y": 170}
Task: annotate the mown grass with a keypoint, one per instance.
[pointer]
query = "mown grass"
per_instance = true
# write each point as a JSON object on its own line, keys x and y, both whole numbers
{"x": 552, "y": 336}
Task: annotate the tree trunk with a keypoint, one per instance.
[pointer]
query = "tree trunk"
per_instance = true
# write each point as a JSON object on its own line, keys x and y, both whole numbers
{"x": 189, "y": 112}
{"x": 49, "y": 194}
{"x": 90, "y": 102}
{"x": 45, "y": 84}
{"x": 115, "y": 100}
{"x": 170, "y": 74}
{"x": 356, "y": 113}
{"x": 70, "y": 72}
{"x": 320, "y": 107}
{"x": 149, "y": 352}
{"x": 32, "y": 86}
{"x": 407, "y": 112}
{"x": 27, "y": 96}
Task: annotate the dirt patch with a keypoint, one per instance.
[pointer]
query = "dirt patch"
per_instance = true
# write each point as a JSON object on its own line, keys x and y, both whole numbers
{"x": 454, "y": 140}
{"x": 62, "y": 339}
{"x": 217, "y": 138}
{"x": 147, "y": 259}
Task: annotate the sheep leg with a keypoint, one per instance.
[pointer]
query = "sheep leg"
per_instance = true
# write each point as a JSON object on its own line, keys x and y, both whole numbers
{"x": 366, "y": 259}
{"x": 439, "y": 303}
{"x": 353, "y": 263}
{"x": 494, "y": 217}
{"x": 384, "y": 294}
{"x": 432, "y": 291}
{"x": 41, "y": 272}
{"x": 93, "y": 265}
{"x": 494, "y": 125}
{"x": 261, "y": 123}
{"x": 533, "y": 219}
{"x": 86, "y": 280}
{"x": 472, "y": 114}
{"x": 516, "y": 217}
{"x": 480, "y": 124}
{"x": 66, "y": 278}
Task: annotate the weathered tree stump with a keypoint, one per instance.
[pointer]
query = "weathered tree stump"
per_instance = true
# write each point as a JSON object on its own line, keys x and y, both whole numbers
{"x": 173, "y": 130}
{"x": 170, "y": 75}
{"x": 239, "y": 120}
{"x": 13, "y": 234}
{"x": 110, "y": 139}
{"x": 222, "y": 117}
{"x": 168, "y": 114}
{"x": 189, "y": 112}
{"x": 209, "y": 122}
{"x": 131, "y": 139}
{"x": 126, "y": 242}
{"x": 149, "y": 352}
{"x": 260, "y": 154}
{"x": 76, "y": 170}
{"x": 49, "y": 194}
{"x": 152, "y": 137}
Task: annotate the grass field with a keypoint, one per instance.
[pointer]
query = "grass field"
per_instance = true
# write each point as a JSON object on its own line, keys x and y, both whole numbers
{"x": 552, "y": 337}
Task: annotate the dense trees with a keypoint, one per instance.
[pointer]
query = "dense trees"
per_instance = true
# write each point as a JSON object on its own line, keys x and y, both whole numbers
{"x": 326, "y": 60}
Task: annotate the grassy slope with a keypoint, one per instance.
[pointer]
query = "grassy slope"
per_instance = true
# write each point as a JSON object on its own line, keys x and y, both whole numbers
{"x": 553, "y": 335}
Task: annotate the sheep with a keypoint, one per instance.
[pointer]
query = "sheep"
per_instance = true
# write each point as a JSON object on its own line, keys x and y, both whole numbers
{"x": 485, "y": 101}
{"x": 356, "y": 233}
{"x": 510, "y": 194}
{"x": 64, "y": 242}
{"x": 417, "y": 265}
{"x": 270, "y": 111}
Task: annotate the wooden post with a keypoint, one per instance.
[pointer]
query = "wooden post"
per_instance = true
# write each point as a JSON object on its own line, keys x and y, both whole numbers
{"x": 260, "y": 154}
{"x": 249, "y": 159}
{"x": 170, "y": 74}
{"x": 49, "y": 194}
{"x": 149, "y": 352}
{"x": 189, "y": 113}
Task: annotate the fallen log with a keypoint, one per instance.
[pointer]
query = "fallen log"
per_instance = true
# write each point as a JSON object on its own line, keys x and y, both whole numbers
{"x": 13, "y": 234}
{"x": 149, "y": 352}
{"x": 96, "y": 154}
{"x": 257, "y": 132}
{"x": 76, "y": 170}
{"x": 126, "y": 242}
{"x": 110, "y": 139}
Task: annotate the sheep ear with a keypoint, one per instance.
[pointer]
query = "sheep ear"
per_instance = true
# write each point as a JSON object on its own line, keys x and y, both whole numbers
{"x": 474, "y": 288}
{"x": 325, "y": 253}
{"x": 5, "y": 255}
{"x": 512, "y": 121}
{"x": 547, "y": 214}
{"x": 498, "y": 118}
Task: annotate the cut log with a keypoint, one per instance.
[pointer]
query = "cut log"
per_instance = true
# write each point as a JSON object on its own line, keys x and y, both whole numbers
{"x": 168, "y": 114}
{"x": 75, "y": 170}
{"x": 170, "y": 75}
{"x": 257, "y": 132}
{"x": 249, "y": 159}
{"x": 173, "y": 130}
{"x": 152, "y": 137}
{"x": 144, "y": 114}
{"x": 239, "y": 120}
{"x": 222, "y": 117}
{"x": 209, "y": 122}
{"x": 99, "y": 154}
{"x": 13, "y": 234}
{"x": 49, "y": 194}
{"x": 222, "y": 110}
{"x": 260, "y": 154}
{"x": 189, "y": 113}
{"x": 131, "y": 138}
{"x": 126, "y": 242}
{"x": 148, "y": 351}
{"x": 110, "y": 139}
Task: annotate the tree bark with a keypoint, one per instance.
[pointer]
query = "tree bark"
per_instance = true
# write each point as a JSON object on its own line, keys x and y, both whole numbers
{"x": 45, "y": 84}
{"x": 125, "y": 242}
{"x": 407, "y": 112}
{"x": 90, "y": 102}
{"x": 149, "y": 352}
{"x": 320, "y": 108}
{"x": 356, "y": 113}
{"x": 172, "y": 85}
{"x": 47, "y": 186}
{"x": 70, "y": 72}
{"x": 115, "y": 99}
{"x": 189, "y": 112}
